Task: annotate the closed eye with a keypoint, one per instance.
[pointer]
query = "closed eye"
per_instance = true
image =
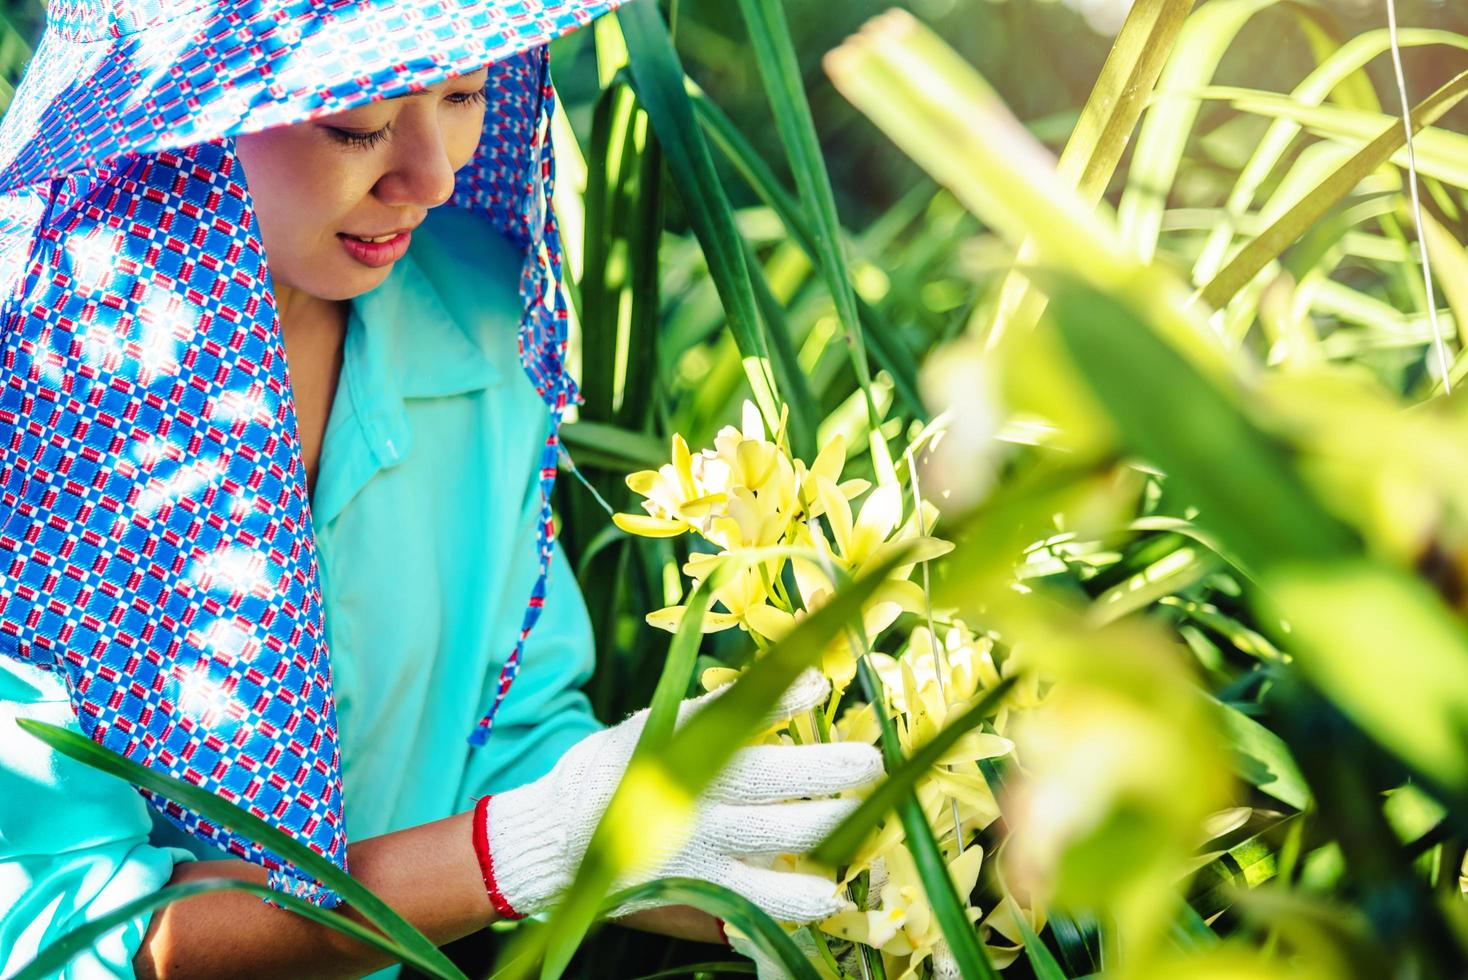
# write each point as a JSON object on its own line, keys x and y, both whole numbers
{"x": 357, "y": 138}
{"x": 477, "y": 97}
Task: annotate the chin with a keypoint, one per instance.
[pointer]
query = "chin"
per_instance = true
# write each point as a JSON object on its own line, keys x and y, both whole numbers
{"x": 349, "y": 283}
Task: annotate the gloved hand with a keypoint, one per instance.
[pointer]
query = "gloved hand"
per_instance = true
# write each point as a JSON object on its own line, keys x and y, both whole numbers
{"x": 530, "y": 840}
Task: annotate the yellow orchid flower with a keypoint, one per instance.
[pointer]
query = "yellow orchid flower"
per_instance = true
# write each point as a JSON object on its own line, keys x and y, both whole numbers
{"x": 838, "y": 659}
{"x": 902, "y": 925}
{"x": 743, "y": 590}
{"x": 683, "y": 495}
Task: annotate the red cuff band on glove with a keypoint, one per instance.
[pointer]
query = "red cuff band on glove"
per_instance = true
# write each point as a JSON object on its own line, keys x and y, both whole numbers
{"x": 486, "y": 861}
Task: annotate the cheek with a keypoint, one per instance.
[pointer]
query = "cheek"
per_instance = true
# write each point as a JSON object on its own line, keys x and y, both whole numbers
{"x": 461, "y": 136}
{"x": 302, "y": 190}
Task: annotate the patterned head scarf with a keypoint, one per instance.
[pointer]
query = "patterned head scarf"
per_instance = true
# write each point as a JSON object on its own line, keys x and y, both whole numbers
{"x": 155, "y": 535}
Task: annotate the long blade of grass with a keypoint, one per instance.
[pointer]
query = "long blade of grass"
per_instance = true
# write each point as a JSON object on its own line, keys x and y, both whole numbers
{"x": 737, "y": 150}
{"x": 733, "y": 908}
{"x": 1042, "y": 961}
{"x": 612, "y": 447}
{"x": 54, "y": 958}
{"x": 948, "y": 907}
{"x": 1101, "y": 134}
{"x": 1440, "y": 152}
{"x": 613, "y": 155}
{"x": 844, "y": 841}
{"x": 1242, "y": 481}
{"x": 939, "y": 111}
{"x": 677, "y": 673}
{"x": 1071, "y": 939}
{"x": 1450, "y": 259}
{"x": 1263, "y": 759}
{"x": 77, "y": 746}
{"x": 658, "y": 75}
{"x": 575, "y": 916}
{"x": 644, "y": 249}
{"x": 774, "y": 53}
{"x": 1164, "y": 134}
{"x": 1342, "y": 64}
{"x": 1297, "y": 220}
{"x": 805, "y": 411}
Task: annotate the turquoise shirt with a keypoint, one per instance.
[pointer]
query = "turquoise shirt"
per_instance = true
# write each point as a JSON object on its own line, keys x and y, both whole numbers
{"x": 424, "y": 510}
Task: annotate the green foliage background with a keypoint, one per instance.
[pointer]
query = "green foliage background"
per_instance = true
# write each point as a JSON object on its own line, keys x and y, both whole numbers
{"x": 1246, "y": 536}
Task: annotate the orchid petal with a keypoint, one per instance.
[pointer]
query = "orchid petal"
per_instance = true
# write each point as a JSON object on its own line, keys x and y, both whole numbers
{"x": 648, "y": 527}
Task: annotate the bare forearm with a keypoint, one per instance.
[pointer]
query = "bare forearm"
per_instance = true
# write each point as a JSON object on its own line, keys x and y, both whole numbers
{"x": 428, "y": 874}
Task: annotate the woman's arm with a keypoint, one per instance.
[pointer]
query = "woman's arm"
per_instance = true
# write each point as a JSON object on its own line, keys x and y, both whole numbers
{"x": 428, "y": 874}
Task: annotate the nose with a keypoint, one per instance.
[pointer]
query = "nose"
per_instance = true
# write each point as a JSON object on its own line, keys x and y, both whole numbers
{"x": 421, "y": 174}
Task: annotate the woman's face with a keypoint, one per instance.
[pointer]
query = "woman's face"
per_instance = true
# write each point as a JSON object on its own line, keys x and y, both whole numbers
{"x": 325, "y": 189}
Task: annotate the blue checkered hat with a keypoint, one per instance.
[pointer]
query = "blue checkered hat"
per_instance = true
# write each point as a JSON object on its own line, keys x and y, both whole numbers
{"x": 155, "y": 534}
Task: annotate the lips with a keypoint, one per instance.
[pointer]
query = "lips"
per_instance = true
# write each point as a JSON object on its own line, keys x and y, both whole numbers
{"x": 376, "y": 251}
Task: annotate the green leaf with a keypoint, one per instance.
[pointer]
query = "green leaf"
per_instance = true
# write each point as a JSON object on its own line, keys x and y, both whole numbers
{"x": 612, "y": 159}
{"x": 644, "y": 249}
{"x": 611, "y": 447}
{"x": 804, "y": 409}
{"x": 774, "y": 53}
{"x": 1297, "y": 220}
{"x": 838, "y": 848}
{"x": 1041, "y": 960}
{"x": 734, "y": 909}
{"x": 677, "y": 673}
{"x": 658, "y": 78}
{"x": 1352, "y": 624}
{"x": 1342, "y": 64}
{"x": 1164, "y": 134}
{"x": 1242, "y": 480}
{"x": 1263, "y": 759}
{"x": 1101, "y": 134}
{"x": 1070, "y": 940}
{"x": 77, "y": 746}
{"x": 54, "y": 958}
{"x": 1190, "y": 932}
{"x": 577, "y": 913}
{"x": 880, "y": 334}
{"x": 932, "y": 869}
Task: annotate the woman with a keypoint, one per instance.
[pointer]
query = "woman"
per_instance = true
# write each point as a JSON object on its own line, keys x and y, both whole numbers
{"x": 188, "y": 528}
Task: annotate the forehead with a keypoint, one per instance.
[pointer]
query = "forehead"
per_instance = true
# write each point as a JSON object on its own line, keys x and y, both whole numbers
{"x": 478, "y": 78}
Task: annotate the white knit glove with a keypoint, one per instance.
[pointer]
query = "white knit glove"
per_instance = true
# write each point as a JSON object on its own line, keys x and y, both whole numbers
{"x": 532, "y": 838}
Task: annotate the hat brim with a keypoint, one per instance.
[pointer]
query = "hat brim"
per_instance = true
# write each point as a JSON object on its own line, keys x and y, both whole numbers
{"x": 227, "y": 69}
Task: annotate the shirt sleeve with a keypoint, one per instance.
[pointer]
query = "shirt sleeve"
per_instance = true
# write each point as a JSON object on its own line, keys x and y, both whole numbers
{"x": 73, "y": 841}
{"x": 546, "y": 712}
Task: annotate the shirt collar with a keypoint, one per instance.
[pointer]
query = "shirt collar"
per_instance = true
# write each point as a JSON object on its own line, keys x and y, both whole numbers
{"x": 401, "y": 342}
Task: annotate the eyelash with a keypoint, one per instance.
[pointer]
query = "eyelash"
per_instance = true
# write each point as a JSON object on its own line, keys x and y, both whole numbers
{"x": 366, "y": 141}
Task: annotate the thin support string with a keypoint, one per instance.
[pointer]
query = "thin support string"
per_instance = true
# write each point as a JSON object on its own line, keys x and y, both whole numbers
{"x": 570, "y": 465}
{"x": 1439, "y": 344}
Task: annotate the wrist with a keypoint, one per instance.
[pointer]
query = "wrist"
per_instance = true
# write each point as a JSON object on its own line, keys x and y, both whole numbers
{"x": 521, "y": 852}
{"x": 486, "y": 862}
